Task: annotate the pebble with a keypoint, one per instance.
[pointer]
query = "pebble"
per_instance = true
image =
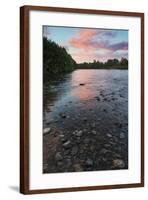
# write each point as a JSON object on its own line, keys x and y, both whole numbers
{"x": 109, "y": 135}
{"x": 63, "y": 115}
{"x": 67, "y": 144}
{"x": 58, "y": 156}
{"x": 74, "y": 150}
{"x": 120, "y": 125}
{"x": 45, "y": 167}
{"x": 59, "y": 163}
{"x": 86, "y": 141}
{"x": 104, "y": 151}
{"x": 98, "y": 99}
{"x": 68, "y": 162}
{"x": 93, "y": 125}
{"x": 46, "y": 130}
{"x": 89, "y": 162}
{"x": 63, "y": 139}
{"x": 94, "y": 132}
{"x": 79, "y": 133}
{"x": 122, "y": 136}
{"x": 78, "y": 167}
{"x": 107, "y": 145}
{"x": 117, "y": 163}
{"x": 84, "y": 119}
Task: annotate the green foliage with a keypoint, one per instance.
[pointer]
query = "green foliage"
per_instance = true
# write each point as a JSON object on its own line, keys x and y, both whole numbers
{"x": 110, "y": 64}
{"x": 56, "y": 60}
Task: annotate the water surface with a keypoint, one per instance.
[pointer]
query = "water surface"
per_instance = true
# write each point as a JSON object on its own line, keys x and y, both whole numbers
{"x": 94, "y": 102}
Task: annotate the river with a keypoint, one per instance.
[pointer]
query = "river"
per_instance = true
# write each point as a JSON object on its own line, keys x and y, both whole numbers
{"x": 87, "y": 110}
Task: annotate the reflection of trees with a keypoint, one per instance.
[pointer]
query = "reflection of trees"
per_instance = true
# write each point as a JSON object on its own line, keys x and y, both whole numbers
{"x": 54, "y": 88}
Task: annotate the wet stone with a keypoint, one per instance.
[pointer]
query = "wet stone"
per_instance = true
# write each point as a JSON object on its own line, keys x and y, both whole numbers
{"x": 120, "y": 125}
{"x": 109, "y": 135}
{"x": 98, "y": 98}
{"x": 79, "y": 133}
{"x": 107, "y": 145}
{"x": 45, "y": 167}
{"x": 122, "y": 135}
{"x": 63, "y": 115}
{"x": 93, "y": 125}
{"x": 46, "y": 130}
{"x": 86, "y": 141}
{"x": 67, "y": 144}
{"x": 74, "y": 150}
{"x": 89, "y": 162}
{"x": 63, "y": 138}
{"x": 84, "y": 119}
{"x": 116, "y": 155}
{"x": 67, "y": 152}
{"x": 58, "y": 156}
{"x": 78, "y": 168}
{"x": 94, "y": 132}
{"x": 68, "y": 162}
{"x": 118, "y": 163}
{"x": 59, "y": 163}
{"x": 104, "y": 151}
{"x": 82, "y": 84}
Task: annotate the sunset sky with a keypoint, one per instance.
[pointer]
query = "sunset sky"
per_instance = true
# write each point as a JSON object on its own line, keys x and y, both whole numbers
{"x": 86, "y": 45}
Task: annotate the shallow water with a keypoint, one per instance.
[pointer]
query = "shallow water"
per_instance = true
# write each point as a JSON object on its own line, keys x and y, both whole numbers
{"x": 88, "y": 100}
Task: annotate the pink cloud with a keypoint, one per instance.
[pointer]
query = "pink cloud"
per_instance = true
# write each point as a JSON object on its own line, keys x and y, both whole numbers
{"x": 92, "y": 43}
{"x": 119, "y": 46}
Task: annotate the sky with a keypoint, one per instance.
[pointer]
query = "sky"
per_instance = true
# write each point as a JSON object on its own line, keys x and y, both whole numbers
{"x": 89, "y": 44}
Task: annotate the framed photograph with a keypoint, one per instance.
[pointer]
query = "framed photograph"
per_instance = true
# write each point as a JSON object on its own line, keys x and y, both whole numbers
{"x": 82, "y": 99}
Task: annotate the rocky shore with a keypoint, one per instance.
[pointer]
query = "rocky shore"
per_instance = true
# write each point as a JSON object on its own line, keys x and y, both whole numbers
{"x": 89, "y": 135}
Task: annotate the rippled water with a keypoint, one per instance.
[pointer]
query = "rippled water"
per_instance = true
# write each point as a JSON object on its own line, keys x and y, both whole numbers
{"x": 65, "y": 91}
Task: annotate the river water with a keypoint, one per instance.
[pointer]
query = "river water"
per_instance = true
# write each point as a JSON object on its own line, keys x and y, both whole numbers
{"x": 94, "y": 102}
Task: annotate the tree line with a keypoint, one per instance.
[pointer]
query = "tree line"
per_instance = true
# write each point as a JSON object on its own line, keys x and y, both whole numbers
{"x": 109, "y": 64}
{"x": 56, "y": 60}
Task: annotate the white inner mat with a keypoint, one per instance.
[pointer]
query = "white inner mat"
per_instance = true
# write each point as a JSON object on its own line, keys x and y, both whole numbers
{"x": 38, "y": 180}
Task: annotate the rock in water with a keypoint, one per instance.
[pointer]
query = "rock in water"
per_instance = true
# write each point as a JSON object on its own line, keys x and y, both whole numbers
{"x": 117, "y": 163}
{"x": 82, "y": 84}
{"x": 63, "y": 115}
{"x": 46, "y": 130}
{"x": 85, "y": 119}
